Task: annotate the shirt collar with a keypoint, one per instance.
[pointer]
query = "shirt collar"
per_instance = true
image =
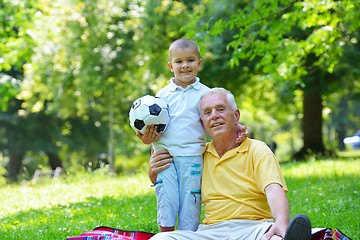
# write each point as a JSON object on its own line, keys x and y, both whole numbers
{"x": 174, "y": 87}
{"x": 244, "y": 147}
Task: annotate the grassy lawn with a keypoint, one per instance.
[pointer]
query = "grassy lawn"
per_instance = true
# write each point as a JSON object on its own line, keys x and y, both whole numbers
{"x": 326, "y": 190}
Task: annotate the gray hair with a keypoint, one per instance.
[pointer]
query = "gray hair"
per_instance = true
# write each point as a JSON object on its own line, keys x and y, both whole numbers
{"x": 229, "y": 96}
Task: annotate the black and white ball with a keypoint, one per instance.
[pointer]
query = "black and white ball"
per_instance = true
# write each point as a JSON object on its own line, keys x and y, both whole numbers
{"x": 149, "y": 110}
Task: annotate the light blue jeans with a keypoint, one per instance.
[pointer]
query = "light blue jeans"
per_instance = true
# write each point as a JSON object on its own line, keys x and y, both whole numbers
{"x": 178, "y": 193}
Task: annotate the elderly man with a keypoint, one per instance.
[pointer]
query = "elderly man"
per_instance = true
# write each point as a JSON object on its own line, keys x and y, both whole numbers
{"x": 243, "y": 189}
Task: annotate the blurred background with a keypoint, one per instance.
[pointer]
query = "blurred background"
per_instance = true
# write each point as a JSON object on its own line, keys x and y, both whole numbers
{"x": 70, "y": 70}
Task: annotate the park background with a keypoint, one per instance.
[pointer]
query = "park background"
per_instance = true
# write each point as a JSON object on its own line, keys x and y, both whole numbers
{"x": 70, "y": 71}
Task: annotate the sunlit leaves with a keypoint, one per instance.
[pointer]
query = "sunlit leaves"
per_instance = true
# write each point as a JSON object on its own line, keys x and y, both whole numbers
{"x": 80, "y": 46}
{"x": 282, "y": 34}
{"x": 9, "y": 87}
{"x": 16, "y": 42}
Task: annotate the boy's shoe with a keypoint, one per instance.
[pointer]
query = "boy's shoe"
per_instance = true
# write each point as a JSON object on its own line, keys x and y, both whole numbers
{"x": 299, "y": 228}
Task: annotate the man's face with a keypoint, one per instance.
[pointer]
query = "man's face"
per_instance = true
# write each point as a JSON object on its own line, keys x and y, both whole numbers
{"x": 217, "y": 116}
{"x": 185, "y": 64}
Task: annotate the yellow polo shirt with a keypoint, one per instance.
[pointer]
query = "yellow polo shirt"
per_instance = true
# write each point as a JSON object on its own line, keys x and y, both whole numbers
{"x": 233, "y": 187}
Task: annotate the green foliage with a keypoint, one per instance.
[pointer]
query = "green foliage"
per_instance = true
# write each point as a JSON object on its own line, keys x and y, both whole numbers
{"x": 84, "y": 49}
{"x": 136, "y": 164}
{"x": 82, "y": 58}
{"x": 2, "y": 172}
{"x": 326, "y": 190}
{"x": 16, "y": 44}
{"x": 91, "y": 56}
{"x": 282, "y": 36}
{"x": 282, "y": 47}
{"x": 9, "y": 87}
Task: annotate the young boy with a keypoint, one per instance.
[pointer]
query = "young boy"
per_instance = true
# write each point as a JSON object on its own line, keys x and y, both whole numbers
{"x": 178, "y": 187}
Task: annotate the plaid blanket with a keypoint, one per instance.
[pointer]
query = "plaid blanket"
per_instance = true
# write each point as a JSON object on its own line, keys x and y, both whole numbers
{"x": 107, "y": 233}
{"x": 319, "y": 233}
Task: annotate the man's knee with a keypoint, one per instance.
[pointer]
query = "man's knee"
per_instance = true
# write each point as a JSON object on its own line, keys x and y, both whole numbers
{"x": 162, "y": 236}
{"x": 275, "y": 237}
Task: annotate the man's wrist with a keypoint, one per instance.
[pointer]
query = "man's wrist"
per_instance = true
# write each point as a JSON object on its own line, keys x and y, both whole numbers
{"x": 283, "y": 221}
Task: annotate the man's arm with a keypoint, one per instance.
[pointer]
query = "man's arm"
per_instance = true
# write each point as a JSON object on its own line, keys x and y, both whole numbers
{"x": 280, "y": 209}
{"x": 159, "y": 161}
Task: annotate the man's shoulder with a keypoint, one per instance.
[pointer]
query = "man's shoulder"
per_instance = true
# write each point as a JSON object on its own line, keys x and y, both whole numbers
{"x": 258, "y": 145}
{"x": 257, "y": 142}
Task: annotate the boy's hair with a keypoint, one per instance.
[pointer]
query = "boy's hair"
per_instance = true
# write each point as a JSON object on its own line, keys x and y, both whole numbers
{"x": 184, "y": 43}
{"x": 229, "y": 96}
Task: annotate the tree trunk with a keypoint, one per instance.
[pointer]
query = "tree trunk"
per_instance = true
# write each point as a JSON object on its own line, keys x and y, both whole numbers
{"x": 54, "y": 160}
{"x": 312, "y": 124}
{"x": 111, "y": 152}
{"x": 341, "y": 134}
{"x": 17, "y": 150}
{"x": 341, "y": 122}
{"x": 14, "y": 165}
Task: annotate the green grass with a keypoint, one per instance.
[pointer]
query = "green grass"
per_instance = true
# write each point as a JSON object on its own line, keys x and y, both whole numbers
{"x": 327, "y": 191}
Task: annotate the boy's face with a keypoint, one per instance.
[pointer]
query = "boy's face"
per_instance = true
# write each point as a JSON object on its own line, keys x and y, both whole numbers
{"x": 185, "y": 65}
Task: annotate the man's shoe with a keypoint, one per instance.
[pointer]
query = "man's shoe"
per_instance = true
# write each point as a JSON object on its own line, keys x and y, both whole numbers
{"x": 299, "y": 228}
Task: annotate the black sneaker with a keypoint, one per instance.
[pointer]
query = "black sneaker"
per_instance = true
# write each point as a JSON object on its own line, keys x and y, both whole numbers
{"x": 299, "y": 228}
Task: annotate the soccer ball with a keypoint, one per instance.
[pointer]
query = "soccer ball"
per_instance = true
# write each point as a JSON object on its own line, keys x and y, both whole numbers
{"x": 149, "y": 110}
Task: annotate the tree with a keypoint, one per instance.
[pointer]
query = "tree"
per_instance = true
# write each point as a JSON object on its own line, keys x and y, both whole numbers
{"x": 16, "y": 48}
{"x": 99, "y": 56}
{"x": 296, "y": 45}
{"x": 84, "y": 56}
{"x": 37, "y": 131}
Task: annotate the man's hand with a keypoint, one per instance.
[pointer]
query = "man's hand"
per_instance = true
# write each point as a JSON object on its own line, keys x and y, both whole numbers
{"x": 149, "y": 135}
{"x": 280, "y": 209}
{"x": 159, "y": 161}
{"x": 275, "y": 232}
{"x": 243, "y": 132}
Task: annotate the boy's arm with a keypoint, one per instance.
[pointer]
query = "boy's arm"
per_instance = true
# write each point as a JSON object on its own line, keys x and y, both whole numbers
{"x": 243, "y": 133}
{"x": 149, "y": 135}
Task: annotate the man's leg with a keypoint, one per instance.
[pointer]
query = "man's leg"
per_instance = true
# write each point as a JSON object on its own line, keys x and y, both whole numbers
{"x": 299, "y": 228}
{"x": 276, "y": 238}
{"x": 205, "y": 232}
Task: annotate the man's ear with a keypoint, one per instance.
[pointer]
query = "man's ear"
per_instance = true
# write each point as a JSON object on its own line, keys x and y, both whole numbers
{"x": 237, "y": 115}
{"x": 170, "y": 66}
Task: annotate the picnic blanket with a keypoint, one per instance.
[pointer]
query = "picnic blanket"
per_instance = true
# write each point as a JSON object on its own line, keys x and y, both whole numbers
{"x": 336, "y": 234}
{"x": 108, "y": 233}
